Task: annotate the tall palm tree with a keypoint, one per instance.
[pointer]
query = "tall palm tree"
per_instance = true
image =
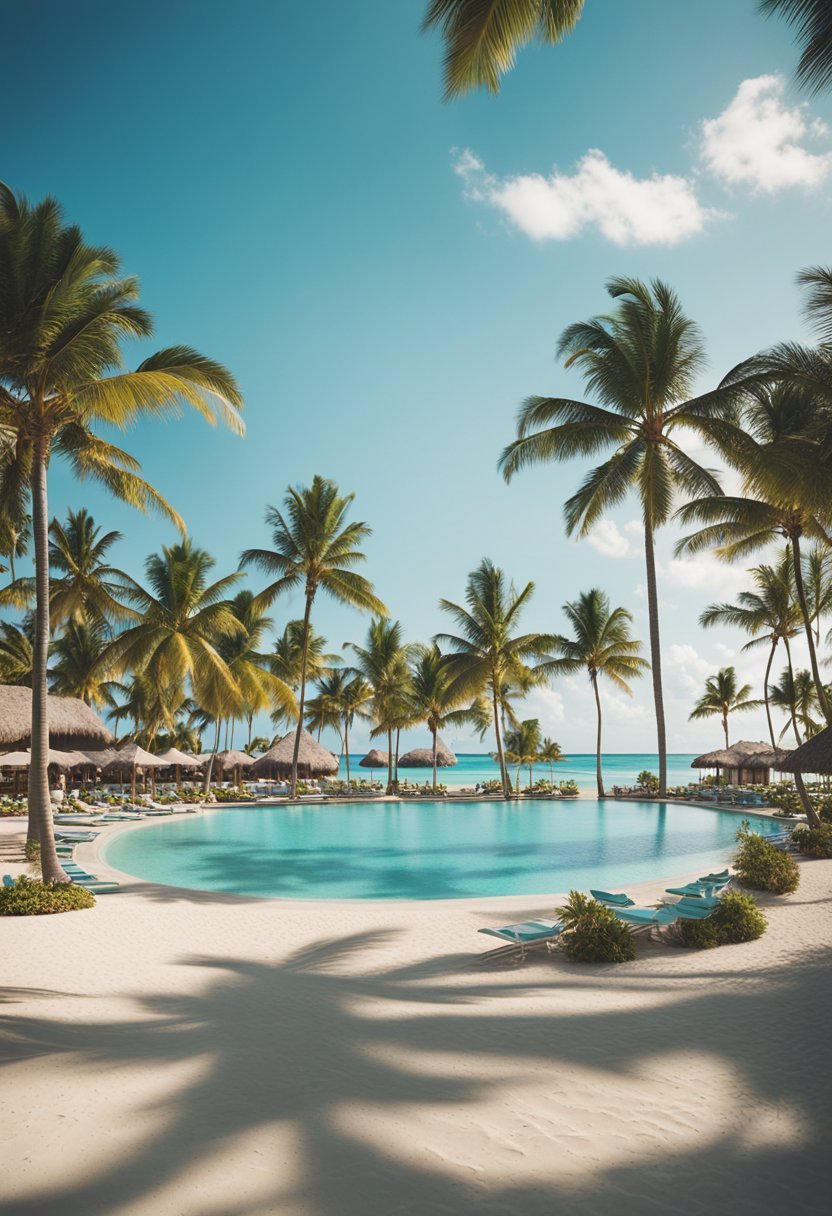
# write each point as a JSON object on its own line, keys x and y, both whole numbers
{"x": 722, "y": 697}
{"x": 185, "y": 620}
{"x": 551, "y": 753}
{"x": 16, "y": 655}
{"x": 813, "y": 24}
{"x": 488, "y": 653}
{"x": 286, "y": 661}
{"x": 86, "y": 586}
{"x": 795, "y": 694}
{"x": 601, "y": 645}
{"x": 79, "y": 668}
{"x": 522, "y": 746}
{"x": 787, "y": 492}
{"x": 641, "y": 362}
{"x": 354, "y": 698}
{"x": 482, "y": 37}
{"x": 324, "y": 709}
{"x": 65, "y": 309}
{"x": 431, "y": 692}
{"x": 770, "y": 614}
{"x": 382, "y": 663}
{"x": 314, "y": 547}
{"x": 260, "y": 689}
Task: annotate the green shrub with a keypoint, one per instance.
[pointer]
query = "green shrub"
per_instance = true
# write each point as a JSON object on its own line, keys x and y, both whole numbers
{"x": 760, "y": 865}
{"x": 647, "y": 781}
{"x": 737, "y": 918}
{"x": 30, "y": 897}
{"x": 816, "y": 842}
{"x": 592, "y": 933}
{"x": 32, "y": 850}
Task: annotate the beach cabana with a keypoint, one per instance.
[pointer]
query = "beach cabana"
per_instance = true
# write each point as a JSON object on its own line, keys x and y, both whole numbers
{"x": 73, "y": 724}
{"x": 234, "y": 762}
{"x": 422, "y": 757}
{"x": 313, "y": 759}
{"x": 177, "y": 760}
{"x": 375, "y": 759}
{"x": 129, "y": 758}
{"x": 743, "y": 763}
{"x": 814, "y": 756}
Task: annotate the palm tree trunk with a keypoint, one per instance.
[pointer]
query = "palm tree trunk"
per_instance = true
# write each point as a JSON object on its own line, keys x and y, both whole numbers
{"x": 41, "y": 829}
{"x": 293, "y": 786}
{"x": 812, "y": 816}
{"x": 433, "y": 732}
{"x": 725, "y": 727}
{"x": 347, "y": 745}
{"x": 501, "y": 757}
{"x": 655, "y": 653}
{"x": 598, "y": 774}
{"x": 396, "y": 769}
{"x": 250, "y": 724}
{"x": 389, "y": 759}
{"x": 11, "y": 564}
{"x": 765, "y": 691}
{"x": 810, "y": 637}
{"x": 210, "y": 769}
{"x": 791, "y": 678}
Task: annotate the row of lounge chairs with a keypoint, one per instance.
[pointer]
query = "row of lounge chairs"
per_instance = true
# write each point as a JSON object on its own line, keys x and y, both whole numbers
{"x": 697, "y": 902}
{"x": 65, "y": 845}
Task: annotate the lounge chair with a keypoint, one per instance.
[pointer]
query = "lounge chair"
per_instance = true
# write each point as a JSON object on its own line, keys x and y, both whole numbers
{"x": 614, "y": 901}
{"x": 667, "y": 914}
{"x": 8, "y": 881}
{"x": 715, "y": 880}
{"x": 529, "y": 933}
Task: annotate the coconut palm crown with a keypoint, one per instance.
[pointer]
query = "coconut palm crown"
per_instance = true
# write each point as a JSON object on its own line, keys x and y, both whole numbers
{"x": 722, "y": 697}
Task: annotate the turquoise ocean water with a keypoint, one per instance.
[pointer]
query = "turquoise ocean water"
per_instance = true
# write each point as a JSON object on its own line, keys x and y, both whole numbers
{"x": 619, "y": 769}
{"x": 431, "y": 850}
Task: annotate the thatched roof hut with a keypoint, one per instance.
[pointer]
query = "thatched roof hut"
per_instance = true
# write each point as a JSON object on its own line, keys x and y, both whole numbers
{"x": 375, "y": 759}
{"x": 313, "y": 759}
{"x": 233, "y": 759}
{"x": 422, "y": 757}
{"x": 814, "y": 756}
{"x": 173, "y": 758}
{"x": 72, "y": 723}
{"x": 130, "y": 755}
{"x": 63, "y": 760}
{"x": 743, "y": 762}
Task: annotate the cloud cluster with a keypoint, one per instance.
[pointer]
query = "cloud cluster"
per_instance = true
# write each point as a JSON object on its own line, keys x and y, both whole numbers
{"x": 757, "y": 142}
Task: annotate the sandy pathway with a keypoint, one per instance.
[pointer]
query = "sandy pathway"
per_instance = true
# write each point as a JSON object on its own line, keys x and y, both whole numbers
{"x": 200, "y": 1055}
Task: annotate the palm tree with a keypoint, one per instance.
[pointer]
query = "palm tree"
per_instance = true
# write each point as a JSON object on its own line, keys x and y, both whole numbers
{"x": 430, "y": 691}
{"x": 640, "y": 362}
{"x": 482, "y": 37}
{"x": 787, "y": 479}
{"x": 16, "y": 655}
{"x": 286, "y": 661}
{"x": 601, "y": 645}
{"x": 65, "y": 309}
{"x": 260, "y": 688}
{"x": 382, "y": 663}
{"x": 15, "y": 537}
{"x": 522, "y": 746}
{"x": 817, "y": 579}
{"x": 814, "y": 34}
{"x": 487, "y": 653}
{"x": 258, "y": 744}
{"x": 770, "y": 612}
{"x": 796, "y": 695}
{"x": 87, "y": 587}
{"x": 722, "y": 697}
{"x": 314, "y": 547}
{"x": 354, "y": 698}
{"x": 184, "y": 622}
{"x": 324, "y": 709}
{"x": 551, "y": 754}
{"x": 79, "y": 668}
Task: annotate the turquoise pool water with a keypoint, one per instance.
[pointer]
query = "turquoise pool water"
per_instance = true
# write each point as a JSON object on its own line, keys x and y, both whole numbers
{"x": 430, "y": 850}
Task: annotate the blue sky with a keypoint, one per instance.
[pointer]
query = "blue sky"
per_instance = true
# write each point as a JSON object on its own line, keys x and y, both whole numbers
{"x": 387, "y": 274}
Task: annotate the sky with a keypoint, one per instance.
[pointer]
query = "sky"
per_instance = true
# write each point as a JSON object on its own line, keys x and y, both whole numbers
{"x": 387, "y": 275}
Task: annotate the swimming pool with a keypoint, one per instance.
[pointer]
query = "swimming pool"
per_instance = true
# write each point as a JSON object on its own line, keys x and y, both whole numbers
{"x": 430, "y": 850}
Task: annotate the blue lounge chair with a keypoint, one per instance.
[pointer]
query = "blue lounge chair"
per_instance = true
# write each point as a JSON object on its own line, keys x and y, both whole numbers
{"x": 529, "y": 933}
{"x": 8, "y": 881}
{"x": 667, "y": 914}
{"x": 614, "y": 901}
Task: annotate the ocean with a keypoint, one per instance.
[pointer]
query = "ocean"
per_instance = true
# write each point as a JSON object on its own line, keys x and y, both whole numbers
{"x": 619, "y": 768}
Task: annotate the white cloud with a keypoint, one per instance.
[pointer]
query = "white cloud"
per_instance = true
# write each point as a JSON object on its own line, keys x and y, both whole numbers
{"x": 686, "y": 668}
{"x": 545, "y": 704}
{"x": 658, "y": 210}
{"x": 758, "y": 140}
{"x": 606, "y": 538}
{"x": 703, "y": 572}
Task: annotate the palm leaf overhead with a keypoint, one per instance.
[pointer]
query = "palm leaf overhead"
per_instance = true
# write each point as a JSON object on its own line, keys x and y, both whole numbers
{"x": 482, "y": 37}
{"x": 640, "y": 362}
{"x": 314, "y": 547}
{"x": 66, "y": 310}
{"x": 812, "y": 21}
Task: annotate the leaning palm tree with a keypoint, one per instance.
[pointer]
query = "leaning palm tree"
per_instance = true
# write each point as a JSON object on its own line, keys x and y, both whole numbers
{"x": 488, "y": 653}
{"x": 314, "y": 547}
{"x": 770, "y": 614}
{"x": 813, "y": 24}
{"x": 795, "y": 694}
{"x": 601, "y": 645}
{"x": 16, "y": 655}
{"x": 382, "y": 663}
{"x": 482, "y": 37}
{"x": 79, "y": 668}
{"x": 65, "y": 309}
{"x": 522, "y": 747}
{"x": 722, "y": 697}
{"x": 431, "y": 693}
{"x": 640, "y": 362}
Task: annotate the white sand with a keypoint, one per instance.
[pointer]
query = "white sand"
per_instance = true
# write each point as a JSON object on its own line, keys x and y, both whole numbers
{"x": 194, "y": 1054}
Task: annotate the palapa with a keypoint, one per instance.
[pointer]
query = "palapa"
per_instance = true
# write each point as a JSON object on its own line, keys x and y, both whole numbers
{"x": 375, "y": 759}
{"x": 173, "y": 758}
{"x": 742, "y": 755}
{"x": 233, "y": 759}
{"x": 814, "y": 756}
{"x": 422, "y": 757}
{"x": 72, "y": 723}
{"x": 313, "y": 759}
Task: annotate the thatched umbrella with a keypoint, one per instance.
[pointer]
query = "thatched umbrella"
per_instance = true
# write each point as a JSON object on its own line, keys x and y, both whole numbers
{"x": 313, "y": 759}
{"x": 177, "y": 760}
{"x": 234, "y": 760}
{"x": 373, "y": 760}
{"x": 56, "y": 758}
{"x": 422, "y": 757}
{"x": 72, "y": 723}
{"x": 814, "y": 756}
{"x": 743, "y": 761}
{"x": 130, "y": 756}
